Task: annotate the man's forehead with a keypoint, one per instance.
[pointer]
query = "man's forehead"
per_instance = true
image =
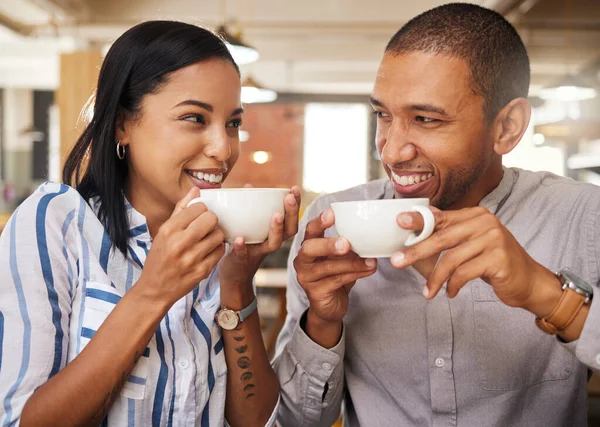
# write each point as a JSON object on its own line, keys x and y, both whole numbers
{"x": 418, "y": 77}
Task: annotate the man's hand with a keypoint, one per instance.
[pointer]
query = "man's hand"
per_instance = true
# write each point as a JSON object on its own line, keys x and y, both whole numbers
{"x": 477, "y": 245}
{"x": 327, "y": 270}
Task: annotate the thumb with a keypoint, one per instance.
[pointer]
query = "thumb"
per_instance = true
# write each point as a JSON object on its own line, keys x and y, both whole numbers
{"x": 182, "y": 204}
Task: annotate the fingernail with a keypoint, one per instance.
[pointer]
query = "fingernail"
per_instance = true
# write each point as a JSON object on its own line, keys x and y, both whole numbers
{"x": 406, "y": 219}
{"x": 339, "y": 245}
{"x": 279, "y": 218}
{"x": 397, "y": 258}
{"x": 426, "y": 292}
{"x": 370, "y": 262}
{"x": 292, "y": 201}
{"x": 325, "y": 216}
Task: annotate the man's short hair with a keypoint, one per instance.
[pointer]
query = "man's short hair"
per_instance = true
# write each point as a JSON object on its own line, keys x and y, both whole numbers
{"x": 492, "y": 48}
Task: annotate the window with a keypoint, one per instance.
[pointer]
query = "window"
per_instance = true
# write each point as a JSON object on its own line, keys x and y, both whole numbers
{"x": 336, "y": 146}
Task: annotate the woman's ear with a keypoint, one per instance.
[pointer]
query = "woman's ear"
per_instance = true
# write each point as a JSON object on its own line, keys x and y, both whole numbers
{"x": 510, "y": 125}
{"x": 120, "y": 132}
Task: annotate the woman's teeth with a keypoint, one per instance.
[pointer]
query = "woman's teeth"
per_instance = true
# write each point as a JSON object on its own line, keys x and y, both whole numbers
{"x": 411, "y": 179}
{"x": 210, "y": 178}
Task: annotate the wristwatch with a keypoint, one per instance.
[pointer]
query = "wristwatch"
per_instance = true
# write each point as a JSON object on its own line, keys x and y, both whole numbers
{"x": 229, "y": 319}
{"x": 576, "y": 293}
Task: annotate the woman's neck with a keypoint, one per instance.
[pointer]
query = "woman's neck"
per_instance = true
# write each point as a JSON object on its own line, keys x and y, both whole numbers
{"x": 151, "y": 205}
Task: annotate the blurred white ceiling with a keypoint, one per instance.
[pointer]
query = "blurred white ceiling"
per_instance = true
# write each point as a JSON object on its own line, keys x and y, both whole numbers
{"x": 314, "y": 46}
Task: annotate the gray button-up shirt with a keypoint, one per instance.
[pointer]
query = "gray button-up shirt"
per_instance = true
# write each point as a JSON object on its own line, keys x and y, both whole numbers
{"x": 467, "y": 361}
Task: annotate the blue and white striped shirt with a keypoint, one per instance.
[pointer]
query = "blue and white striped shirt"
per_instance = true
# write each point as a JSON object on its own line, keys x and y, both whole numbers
{"x": 60, "y": 279}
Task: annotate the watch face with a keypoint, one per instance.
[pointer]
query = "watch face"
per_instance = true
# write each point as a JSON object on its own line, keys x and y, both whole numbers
{"x": 577, "y": 281}
{"x": 227, "y": 319}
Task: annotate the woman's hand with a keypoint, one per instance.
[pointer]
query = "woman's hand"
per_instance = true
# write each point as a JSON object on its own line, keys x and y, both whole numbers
{"x": 238, "y": 268}
{"x": 184, "y": 251}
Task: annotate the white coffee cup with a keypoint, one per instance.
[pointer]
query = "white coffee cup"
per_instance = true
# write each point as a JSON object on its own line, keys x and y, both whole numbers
{"x": 244, "y": 212}
{"x": 371, "y": 228}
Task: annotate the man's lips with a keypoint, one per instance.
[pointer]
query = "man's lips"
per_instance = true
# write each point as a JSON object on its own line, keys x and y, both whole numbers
{"x": 412, "y": 183}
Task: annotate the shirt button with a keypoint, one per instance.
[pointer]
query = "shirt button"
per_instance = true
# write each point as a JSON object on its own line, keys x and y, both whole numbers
{"x": 184, "y": 364}
{"x": 326, "y": 366}
{"x": 439, "y": 362}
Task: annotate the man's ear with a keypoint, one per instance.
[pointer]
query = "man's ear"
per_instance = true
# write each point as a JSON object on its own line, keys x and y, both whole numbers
{"x": 510, "y": 125}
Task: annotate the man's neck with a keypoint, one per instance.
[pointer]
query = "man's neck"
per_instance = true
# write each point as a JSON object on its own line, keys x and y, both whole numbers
{"x": 488, "y": 182}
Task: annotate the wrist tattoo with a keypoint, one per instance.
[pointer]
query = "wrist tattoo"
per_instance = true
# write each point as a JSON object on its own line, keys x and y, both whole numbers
{"x": 244, "y": 362}
{"x": 238, "y": 339}
{"x": 246, "y": 376}
{"x": 241, "y": 349}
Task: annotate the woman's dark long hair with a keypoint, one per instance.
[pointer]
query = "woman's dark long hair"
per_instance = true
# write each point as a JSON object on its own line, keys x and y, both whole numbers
{"x": 136, "y": 65}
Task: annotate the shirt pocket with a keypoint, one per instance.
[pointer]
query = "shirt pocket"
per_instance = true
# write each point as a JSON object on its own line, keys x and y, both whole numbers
{"x": 511, "y": 351}
{"x": 99, "y": 301}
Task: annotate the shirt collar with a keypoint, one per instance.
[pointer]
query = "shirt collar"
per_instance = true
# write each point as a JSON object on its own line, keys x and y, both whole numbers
{"x": 496, "y": 198}
{"x": 138, "y": 226}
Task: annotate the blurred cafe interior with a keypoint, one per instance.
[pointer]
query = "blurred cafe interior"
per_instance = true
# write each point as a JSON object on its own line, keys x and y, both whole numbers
{"x": 308, "y": 68}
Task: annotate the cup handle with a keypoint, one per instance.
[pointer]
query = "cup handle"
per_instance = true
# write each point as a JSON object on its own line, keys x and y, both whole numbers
{"x": 196, "y": 200}
{"x": 429, "y": 225}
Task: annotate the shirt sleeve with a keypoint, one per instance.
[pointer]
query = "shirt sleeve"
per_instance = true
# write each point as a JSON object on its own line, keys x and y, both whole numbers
{"x": 37, "y": 269}
{"x": 311, "y": 377}
{"x": 587, "y": 347}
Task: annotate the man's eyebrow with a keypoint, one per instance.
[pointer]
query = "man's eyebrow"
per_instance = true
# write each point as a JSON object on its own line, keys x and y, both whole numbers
{"x": 429, "y": 108}
{"x": 375, "y": 102}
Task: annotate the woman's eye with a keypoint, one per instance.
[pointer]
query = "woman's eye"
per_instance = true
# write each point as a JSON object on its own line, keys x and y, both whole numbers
{"x": 234, "y": 123}
{"x": 194, "y": 118}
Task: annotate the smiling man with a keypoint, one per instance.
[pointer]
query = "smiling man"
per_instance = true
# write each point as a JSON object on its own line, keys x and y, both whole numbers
{"x": 490, "y": 321}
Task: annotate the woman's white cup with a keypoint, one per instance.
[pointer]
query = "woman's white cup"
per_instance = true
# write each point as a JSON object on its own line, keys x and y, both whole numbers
{"x": 244, "y": 212}
{"x": 371, "y": 228}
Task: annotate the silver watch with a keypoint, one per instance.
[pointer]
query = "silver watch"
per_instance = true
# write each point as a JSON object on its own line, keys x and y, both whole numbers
{"x": 229, "y": 319}
{"x": 570, "y": 280}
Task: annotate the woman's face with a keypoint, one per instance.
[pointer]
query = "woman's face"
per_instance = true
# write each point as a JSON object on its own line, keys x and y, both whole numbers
{"x": 185, "y": 135}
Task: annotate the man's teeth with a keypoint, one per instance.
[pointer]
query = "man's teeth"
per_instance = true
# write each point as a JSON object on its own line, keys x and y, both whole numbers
{"x": 411, "y": 179}
{"x": 212, "y": 178}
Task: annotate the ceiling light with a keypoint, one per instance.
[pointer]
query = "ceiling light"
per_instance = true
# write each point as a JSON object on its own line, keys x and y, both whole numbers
{"x": 539, "y": 139}
{"x": 570, "y": 88}
{"x": 261, "y": 157}
{"x": 242, "y": 53}
{"x": 253, "y": 92}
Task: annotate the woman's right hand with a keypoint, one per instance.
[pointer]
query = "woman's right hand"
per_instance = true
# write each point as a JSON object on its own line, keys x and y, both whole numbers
{"x": 184, "y": 251}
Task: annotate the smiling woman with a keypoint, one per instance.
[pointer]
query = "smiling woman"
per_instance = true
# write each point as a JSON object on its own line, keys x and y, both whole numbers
{"x": 109, "y": 300}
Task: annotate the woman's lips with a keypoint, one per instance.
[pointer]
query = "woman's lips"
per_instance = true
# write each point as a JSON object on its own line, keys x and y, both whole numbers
{"x": 206, "y": 179}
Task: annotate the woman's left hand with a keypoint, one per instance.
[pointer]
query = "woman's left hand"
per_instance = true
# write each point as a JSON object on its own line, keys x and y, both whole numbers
{"x": 237, "y": 268}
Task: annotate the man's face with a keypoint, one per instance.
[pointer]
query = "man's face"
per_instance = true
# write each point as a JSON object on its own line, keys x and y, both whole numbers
{"x": 432, "y": 134}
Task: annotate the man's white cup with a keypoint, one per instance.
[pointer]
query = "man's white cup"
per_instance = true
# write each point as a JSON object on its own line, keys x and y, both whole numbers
{"x": 371, "y": 228}
{"x": 244, "y": 212}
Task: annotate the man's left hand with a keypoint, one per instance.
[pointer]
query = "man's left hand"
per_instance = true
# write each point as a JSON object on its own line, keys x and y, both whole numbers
{"x": 475, "y": 244}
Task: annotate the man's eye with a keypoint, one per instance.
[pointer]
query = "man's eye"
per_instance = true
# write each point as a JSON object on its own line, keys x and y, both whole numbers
{"x": 425, "y": 119}
{"x": 380, "y": 114}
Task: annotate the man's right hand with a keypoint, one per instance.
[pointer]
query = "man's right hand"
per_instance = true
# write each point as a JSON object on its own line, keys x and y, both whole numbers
{"x": 327, "y": 270}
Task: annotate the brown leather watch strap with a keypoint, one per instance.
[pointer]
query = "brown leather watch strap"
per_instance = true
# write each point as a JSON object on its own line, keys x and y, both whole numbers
{"x": 563, "y": 314}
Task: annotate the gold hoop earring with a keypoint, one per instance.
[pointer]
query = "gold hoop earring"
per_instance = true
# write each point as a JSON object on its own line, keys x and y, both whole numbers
{"x": 120, "y": 151}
